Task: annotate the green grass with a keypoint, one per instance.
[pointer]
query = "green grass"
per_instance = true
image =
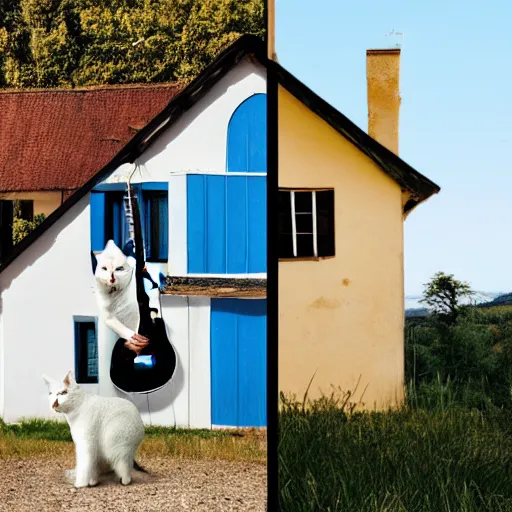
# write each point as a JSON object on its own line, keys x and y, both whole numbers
{"x": 410, "y": 460}
{"x": 41, "y": 438}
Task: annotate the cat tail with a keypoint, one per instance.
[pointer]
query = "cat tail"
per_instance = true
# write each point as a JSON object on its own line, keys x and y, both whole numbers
{"x": 137, "y": 467}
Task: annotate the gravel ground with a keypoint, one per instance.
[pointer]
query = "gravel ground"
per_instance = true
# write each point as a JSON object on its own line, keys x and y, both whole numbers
{"x": 172, "y": 485}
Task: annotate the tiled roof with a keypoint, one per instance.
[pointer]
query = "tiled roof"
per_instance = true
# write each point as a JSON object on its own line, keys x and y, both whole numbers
{"x": 57, "y": 139}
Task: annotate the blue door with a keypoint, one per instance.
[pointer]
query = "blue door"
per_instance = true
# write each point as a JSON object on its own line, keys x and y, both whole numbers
{"x": 247, "y": 136}
{"x": 239, "y": 362}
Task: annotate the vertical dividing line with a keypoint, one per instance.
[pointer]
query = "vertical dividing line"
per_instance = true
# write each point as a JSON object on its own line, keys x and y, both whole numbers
{"x": 272, "y": 282}
{"x": 315, "y": 244}
{"x": 294, "y": 224}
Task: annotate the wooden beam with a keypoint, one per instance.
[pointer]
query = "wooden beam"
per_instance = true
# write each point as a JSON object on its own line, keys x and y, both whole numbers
{"x": 217, "y": 287}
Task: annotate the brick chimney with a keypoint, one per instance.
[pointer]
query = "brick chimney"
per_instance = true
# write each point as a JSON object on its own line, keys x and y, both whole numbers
{"x": 383, "y": 83}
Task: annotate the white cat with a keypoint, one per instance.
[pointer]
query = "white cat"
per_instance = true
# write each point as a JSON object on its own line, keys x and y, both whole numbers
{"x": 106, "y": 431}
{"x": 117, "y": 295}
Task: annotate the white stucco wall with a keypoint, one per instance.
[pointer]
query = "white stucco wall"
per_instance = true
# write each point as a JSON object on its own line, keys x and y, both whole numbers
{"x": 51, "y": 281}
{"x": 198, "y": 141}
{"x": 42, "y": 290}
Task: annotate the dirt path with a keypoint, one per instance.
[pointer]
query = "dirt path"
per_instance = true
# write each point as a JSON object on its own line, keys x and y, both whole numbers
{"x": 173, "y": 485}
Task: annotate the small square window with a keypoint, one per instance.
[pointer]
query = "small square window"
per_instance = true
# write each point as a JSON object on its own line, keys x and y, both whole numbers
{"x": 156, "y": 229}
{"x": 86, "y": 352}
{"x": 306, "y": 223}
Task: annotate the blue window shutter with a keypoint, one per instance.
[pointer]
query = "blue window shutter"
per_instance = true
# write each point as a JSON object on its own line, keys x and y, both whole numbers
{"x": 216, "y": 224}
{"x": 97, "y": 210}
{"x": 257, "y": 224}
{"x": 227, "y": 224}
{"x": 237, "y": 235}
{"x": 247, "y": 136}
{"x": 196, "y": 224}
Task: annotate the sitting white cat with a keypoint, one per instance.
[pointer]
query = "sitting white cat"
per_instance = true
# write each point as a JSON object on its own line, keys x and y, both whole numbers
{"x": 106, "y": 431}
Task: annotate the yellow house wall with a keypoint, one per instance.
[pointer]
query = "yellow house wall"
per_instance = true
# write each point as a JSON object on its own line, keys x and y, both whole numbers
{"x": 342, "y": 317}
{"x": 44, "y": 202}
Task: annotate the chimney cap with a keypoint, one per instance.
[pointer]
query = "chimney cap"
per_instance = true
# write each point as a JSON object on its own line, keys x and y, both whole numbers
{"x": 377, "y": 51}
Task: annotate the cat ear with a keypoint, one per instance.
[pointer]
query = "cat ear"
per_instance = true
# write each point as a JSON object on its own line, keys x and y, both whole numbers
{"x": 94, "y": 262}
{"x": 110, "y": 245}
{"x": 69, "y": 380}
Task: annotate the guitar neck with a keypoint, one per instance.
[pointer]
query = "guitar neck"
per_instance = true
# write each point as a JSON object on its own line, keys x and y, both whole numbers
{"x": 128, "y": 199}
{"x": 134, "y": 224}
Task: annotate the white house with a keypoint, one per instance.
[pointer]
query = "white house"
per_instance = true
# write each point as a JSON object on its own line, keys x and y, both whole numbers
{"x": 202, "y": 187}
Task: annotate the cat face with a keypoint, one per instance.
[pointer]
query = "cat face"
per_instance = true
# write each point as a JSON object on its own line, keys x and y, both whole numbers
{"x": 113, "y": 272}
{"x": 63, "y": 396}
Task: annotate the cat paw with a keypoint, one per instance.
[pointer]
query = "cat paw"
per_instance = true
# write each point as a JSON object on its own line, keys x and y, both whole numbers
{"x": 93, "y": 482}
{"x": 126, "y": 480}
{"x": 81, "y": 484}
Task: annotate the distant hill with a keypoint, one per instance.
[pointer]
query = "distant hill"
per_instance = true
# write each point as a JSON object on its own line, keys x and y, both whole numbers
{"x": 415, "y": 308}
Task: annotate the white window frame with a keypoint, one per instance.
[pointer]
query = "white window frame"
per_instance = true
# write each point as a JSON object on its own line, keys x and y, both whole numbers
{"x": 313, "y": 214}
{"x": 294, "y": 214}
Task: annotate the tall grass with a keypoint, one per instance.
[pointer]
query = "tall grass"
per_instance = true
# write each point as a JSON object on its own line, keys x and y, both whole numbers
{"x": 449, "y": 459}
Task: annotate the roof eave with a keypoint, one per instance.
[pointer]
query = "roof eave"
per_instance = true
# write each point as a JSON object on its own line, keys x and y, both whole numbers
{"x": 419, "y": 186}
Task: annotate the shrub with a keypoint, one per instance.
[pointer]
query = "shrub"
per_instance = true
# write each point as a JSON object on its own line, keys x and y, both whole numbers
{"x": 22, "y": 227}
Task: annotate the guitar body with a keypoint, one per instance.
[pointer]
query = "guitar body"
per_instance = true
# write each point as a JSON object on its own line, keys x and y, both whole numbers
{"x": 155, "y": 370}
{"x": 155, "y": 365}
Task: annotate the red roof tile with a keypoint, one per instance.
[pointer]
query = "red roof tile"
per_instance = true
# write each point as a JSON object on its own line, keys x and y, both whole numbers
{"x": 57, "y": 139}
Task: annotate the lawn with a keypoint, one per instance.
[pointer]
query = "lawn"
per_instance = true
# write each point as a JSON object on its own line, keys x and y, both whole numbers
{"x": 40, "y": 438}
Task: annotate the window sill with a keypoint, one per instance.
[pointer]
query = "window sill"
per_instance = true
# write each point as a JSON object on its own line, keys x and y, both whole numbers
{"x": 216, "y": 287}
{"x": 308, "y": 258}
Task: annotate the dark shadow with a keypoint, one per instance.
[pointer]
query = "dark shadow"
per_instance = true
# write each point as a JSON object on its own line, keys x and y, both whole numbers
{"x": 166, "y": 396}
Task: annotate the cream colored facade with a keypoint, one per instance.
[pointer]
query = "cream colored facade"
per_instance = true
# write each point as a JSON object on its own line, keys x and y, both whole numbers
{"x": 342, "y": 318}
{"x": 44, "y": 202}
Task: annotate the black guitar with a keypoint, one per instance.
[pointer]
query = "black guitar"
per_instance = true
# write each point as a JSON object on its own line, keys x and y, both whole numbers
{"x": 156, "y": 363}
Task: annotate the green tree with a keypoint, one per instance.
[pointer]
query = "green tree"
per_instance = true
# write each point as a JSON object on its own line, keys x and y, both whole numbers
{"x": 68, "y": 43}
{"x": 444, "y": 294}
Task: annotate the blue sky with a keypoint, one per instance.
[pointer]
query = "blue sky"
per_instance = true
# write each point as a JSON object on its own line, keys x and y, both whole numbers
{"x": 455, "y": 118}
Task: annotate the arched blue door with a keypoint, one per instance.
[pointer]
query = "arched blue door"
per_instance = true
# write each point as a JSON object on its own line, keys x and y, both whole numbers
{"x": 247, "y": 136}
